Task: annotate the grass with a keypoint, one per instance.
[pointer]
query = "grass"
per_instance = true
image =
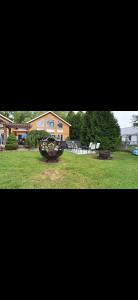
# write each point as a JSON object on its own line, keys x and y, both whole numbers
{"x": 27, "y": 170}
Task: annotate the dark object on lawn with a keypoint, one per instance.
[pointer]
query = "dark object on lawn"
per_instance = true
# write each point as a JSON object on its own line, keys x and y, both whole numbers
{"x": 51, "y": 148}
{"x": 105, "y": 154}
{"x": 1, "y": 148}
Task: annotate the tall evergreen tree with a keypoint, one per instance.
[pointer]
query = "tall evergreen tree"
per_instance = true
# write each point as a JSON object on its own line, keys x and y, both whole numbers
{"x": 76, "y": 121}
{"x": 101, "y": 126}
{"x": 62, "y": 114}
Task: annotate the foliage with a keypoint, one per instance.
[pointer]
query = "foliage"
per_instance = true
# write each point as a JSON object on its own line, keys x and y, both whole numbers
{"x": 102, "y": 127}
{"x": 7, "y": 114}
{"x": 11, "y": 143}
{"x": 76, "y": 121}
{"x": 62, "y": 114}
{"x": 24, "y": 116}
{"x": 135, "y": 120}
{"x": 33, "y": 138}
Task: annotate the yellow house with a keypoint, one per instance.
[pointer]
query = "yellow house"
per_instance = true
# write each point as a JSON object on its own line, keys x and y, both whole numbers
{"x": 51, "y": 123}
{"x": 48, "y": 121}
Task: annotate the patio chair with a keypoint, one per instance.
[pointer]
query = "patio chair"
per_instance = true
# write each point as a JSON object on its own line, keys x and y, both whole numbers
{"x": 92, "y": 147}
{"x": 98, "y": 146}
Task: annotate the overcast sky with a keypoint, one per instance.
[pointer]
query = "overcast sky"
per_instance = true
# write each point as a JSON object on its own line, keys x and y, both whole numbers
{"x": 125, "y": 117}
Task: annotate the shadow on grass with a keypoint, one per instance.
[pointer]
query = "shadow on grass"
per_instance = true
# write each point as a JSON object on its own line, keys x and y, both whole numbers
{"x": 44, "y": 160}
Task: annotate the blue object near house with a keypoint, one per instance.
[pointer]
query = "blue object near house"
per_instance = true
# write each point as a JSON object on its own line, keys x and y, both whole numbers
{"x": 135, "y": 152}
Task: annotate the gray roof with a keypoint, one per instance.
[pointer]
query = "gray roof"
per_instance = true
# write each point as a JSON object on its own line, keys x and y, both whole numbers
{"x": 129, "y": 131}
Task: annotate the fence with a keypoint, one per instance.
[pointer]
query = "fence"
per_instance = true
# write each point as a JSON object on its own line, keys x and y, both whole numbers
{"x": 73, "y": 144}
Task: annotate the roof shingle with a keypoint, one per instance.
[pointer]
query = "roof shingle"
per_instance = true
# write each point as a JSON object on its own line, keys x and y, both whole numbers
{"x": 129, "y": 131}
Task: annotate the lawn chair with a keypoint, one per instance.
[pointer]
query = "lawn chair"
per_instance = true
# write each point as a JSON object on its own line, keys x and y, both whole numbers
{"x": 92, "y": 147}
{"x": 98, "y": 146}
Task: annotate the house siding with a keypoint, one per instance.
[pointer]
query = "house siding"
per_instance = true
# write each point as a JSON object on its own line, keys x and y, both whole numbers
{"x": 65, "y": 131}
{"x": 130, "y": 132}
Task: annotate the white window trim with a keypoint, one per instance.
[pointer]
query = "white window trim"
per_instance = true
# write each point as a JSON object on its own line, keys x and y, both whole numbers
{"x": 50, "y": 130}
{"x": 60, "y": 131}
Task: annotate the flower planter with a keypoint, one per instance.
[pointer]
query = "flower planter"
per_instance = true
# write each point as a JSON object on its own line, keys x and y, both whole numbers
{"x": 51, "y": 149}
{"x": 104, "y": 154}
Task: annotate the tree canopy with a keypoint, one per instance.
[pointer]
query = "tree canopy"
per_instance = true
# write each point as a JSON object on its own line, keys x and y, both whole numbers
{"x": 102, "y": 127}
{"x": 76, "y": 121}
{"x": 135, "y": 120}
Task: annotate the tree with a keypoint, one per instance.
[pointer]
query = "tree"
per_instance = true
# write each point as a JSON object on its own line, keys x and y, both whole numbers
{"x": 7, "y": 114}
{"x": 102, "y": 127}
{"x": 33, "y": 138}
{"x": 11, "y": 143}
{"x": 135, "y": 120}
{"x": 62, "y": 114}
{"x": 76, "y": 121}
{"x": 22, "y": 116}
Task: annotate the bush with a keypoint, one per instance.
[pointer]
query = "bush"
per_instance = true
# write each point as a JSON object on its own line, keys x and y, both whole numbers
{"x": 33, "y": 138}
{"x": 111, "y": 143}
{"x": 11, "y": 146}
{"x": 102, "y": 127}
{"x": 11, "y": 143}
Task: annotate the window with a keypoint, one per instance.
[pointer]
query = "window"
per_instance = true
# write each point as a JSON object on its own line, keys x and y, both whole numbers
{"x": 40, "y": 124}
{"x": 50, "y": 124}
{"x": 60, "y": 125}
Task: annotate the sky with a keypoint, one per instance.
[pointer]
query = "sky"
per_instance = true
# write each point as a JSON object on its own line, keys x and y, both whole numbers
{"x": 125, "y": 117}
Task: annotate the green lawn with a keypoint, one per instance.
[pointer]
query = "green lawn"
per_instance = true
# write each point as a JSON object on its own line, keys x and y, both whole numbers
{"x": 21, "y": 170}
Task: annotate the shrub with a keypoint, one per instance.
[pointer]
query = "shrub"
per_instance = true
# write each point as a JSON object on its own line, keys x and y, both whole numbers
{"x": 33, "y": 138}
{"x": 11, "y": 143}
{"x": 112, "y": 143}
{"x": 102, "y": 127}
{"x": 11, "y": 146}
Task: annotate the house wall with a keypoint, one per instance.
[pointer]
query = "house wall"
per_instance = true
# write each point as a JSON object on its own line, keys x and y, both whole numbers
{"x": 36, "y": 125}
{"x": 134, "y": 139}
{"x": 18, "y": 132}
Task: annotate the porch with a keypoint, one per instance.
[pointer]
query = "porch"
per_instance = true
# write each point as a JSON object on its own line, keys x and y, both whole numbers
{"x": 7, "y": 127}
